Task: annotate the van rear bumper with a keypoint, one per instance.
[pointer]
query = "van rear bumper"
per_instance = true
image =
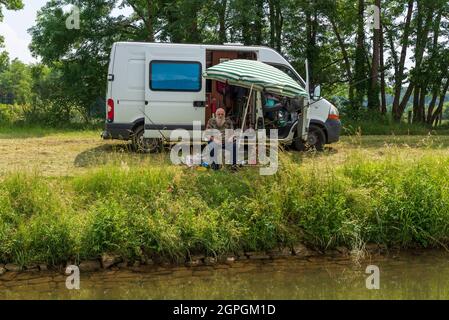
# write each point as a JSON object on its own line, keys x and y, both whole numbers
{"x": 333, "y": 128}
{"x": 120, "y": 131}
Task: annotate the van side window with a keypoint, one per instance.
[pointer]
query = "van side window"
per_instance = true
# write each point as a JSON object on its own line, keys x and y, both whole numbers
{"x": 175, "y": 76}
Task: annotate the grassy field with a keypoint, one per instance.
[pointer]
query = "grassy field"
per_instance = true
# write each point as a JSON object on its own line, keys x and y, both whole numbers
{"x": 71, "y": 196}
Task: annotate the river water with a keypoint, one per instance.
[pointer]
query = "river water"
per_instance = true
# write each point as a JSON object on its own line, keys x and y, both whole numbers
{"x": 418, "y": 275}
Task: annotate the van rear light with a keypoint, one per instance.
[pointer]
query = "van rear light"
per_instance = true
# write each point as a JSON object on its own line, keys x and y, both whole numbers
{"x": 110, "y": 111}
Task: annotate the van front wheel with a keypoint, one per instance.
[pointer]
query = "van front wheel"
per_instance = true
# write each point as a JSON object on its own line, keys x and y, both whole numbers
{"x": 142, "y": 145}
{"x": 316, "y": 140}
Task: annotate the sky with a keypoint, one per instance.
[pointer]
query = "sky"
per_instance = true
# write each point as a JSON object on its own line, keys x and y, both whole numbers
{"x": 15, "y": 25}
{"x": 14, "y": 29}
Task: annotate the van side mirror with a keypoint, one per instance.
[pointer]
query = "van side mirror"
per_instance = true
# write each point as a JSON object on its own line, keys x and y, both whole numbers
{"x": 317, "y": 92}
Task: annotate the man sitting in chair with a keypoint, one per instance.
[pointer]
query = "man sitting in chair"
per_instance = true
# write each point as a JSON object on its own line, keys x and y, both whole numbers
{"x": 221, "y": 123}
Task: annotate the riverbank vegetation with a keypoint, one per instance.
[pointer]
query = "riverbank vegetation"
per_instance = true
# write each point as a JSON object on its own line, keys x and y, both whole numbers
{"x": 67, "y": 195}
{"x": 392, "y": 193}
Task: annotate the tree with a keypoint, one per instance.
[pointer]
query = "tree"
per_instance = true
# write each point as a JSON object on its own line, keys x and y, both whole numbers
{"x": 329, "y": 33}
{"x": 383, "y": 69}
{"x": 276, "y": 23}
{"x": 182, "y": 21}
{"x": 311, "y": 34}
{"x": 10, "y": 5}
{"x": 424, "y": 16}
{"x": 81, "y": 56}
{"x": 446, "y": 111}
{"x": 248, "y": 22}
{"x": 422, "y": 32}
{"x": 374, "y": 88}
{"x": 221, "y": 7}
{"x": 16, "y": 80}
{"x": 398, "y": 107}
{"x": 360, "y": 75}
{"x": 340, "y": 16}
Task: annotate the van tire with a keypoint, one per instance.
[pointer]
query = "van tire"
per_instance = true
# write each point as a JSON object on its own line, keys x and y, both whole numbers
{"x": 141, "y": 145}
{"x": 315, "y": 141}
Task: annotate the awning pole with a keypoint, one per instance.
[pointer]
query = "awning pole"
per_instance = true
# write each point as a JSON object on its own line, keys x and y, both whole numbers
{"x": 303, "y": 124}
{"x": 247, "y": 105}
{"x": 305, "y": 113}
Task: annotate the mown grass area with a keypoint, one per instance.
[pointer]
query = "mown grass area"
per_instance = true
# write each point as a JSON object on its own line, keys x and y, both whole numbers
{"x": 397, "y": 195}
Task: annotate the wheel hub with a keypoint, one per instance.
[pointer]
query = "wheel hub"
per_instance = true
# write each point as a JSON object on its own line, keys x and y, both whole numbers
{"x": 312, "y": 139}
{"x": 147, "y": 144}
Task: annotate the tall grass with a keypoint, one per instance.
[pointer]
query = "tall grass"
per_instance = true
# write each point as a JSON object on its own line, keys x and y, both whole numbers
{"x": 386, "y": 126}
{"x": 171, "y": 213}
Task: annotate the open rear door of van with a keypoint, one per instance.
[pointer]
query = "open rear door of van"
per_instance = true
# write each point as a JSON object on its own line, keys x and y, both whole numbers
{"x": 174, "y": 88}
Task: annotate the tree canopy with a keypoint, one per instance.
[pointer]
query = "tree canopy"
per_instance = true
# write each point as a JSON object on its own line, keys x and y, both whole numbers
{"x": 369, "y": 67}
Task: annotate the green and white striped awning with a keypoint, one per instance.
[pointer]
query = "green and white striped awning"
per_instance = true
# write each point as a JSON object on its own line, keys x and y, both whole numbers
{"x": 259, "y": 75}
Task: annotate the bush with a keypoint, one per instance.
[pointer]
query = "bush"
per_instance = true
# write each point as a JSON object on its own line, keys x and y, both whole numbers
{"x": 26, "y": 196}
{"x": 45, "y": 238}
{"x": 108, "y": 229}
{"x": 33, "y": 224}
{"x": 9, "y": 114}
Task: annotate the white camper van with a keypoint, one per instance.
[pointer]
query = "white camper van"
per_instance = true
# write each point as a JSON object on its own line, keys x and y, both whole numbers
{"x": 143, "y": 109}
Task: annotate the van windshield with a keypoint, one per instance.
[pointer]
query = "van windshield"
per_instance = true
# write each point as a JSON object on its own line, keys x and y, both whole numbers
{"x": 289, "y": 72}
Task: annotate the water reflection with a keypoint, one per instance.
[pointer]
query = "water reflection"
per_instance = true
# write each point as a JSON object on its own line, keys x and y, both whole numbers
{"x": 409, "y": 276}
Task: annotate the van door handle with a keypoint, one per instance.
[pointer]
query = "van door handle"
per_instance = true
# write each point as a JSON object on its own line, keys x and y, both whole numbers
{"x": 146, "y": 102}
{"x": 199, "y": 104}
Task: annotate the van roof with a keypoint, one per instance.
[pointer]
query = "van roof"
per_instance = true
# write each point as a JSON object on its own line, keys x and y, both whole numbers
{"x": 266, "y": 54}
{"x": 229, "y": 46}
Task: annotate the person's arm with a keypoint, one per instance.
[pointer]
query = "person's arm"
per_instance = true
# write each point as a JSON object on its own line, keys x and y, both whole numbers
{"x": 208, "y": 125}
{"x": 231, "y": 126}
{"x": 211, "y": 125}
